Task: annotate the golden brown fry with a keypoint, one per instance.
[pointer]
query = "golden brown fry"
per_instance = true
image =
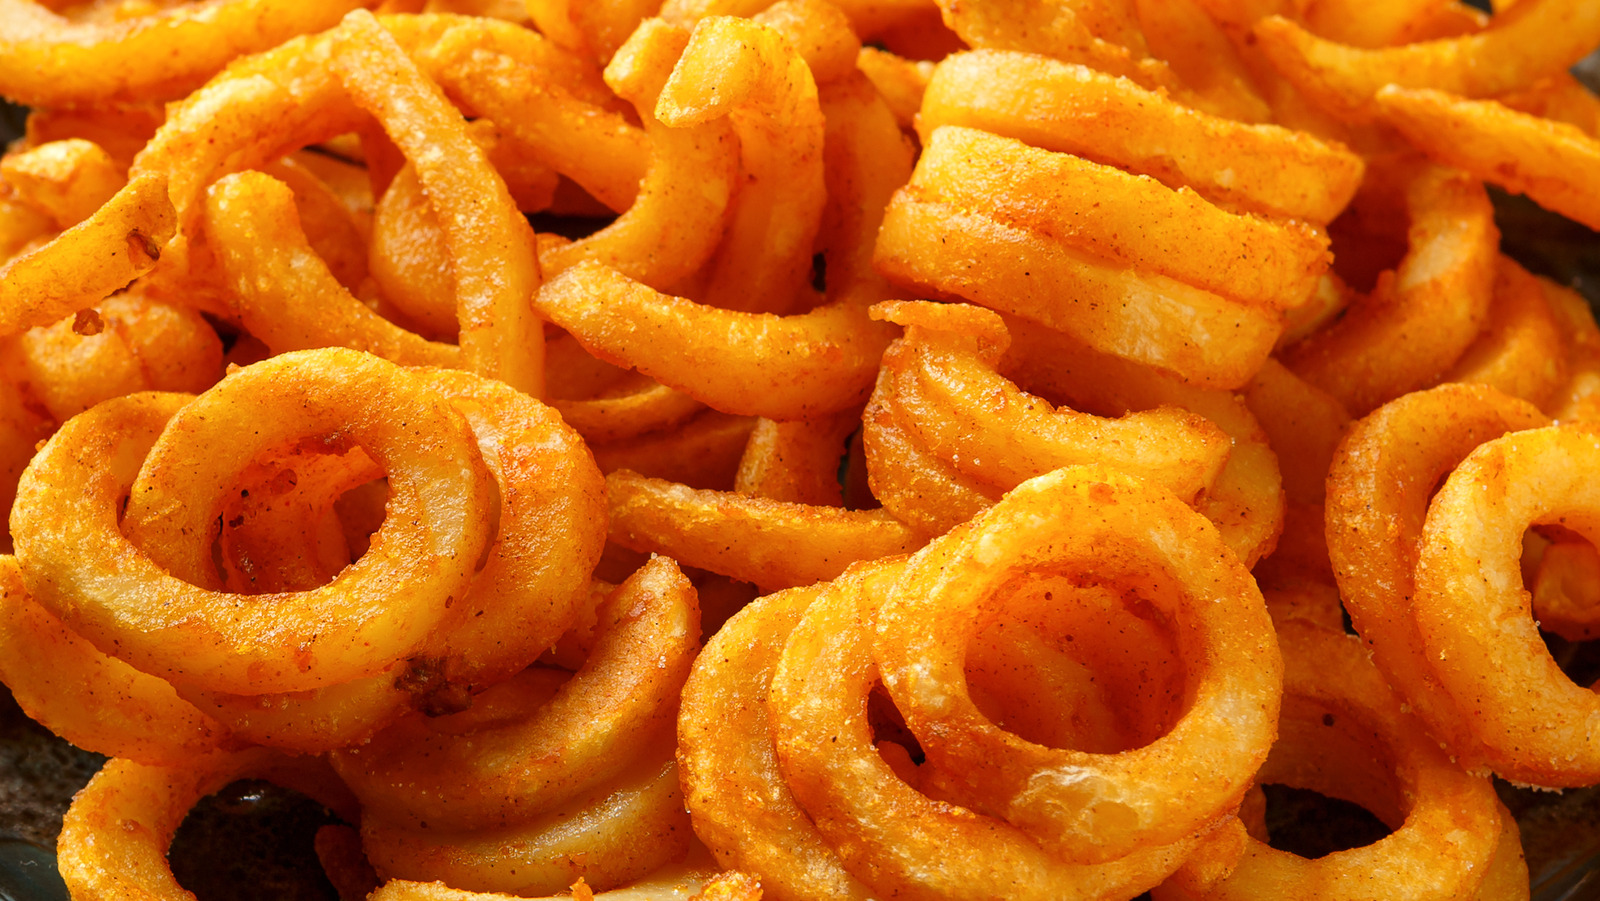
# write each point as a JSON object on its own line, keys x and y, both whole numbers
{"x": 901, "y": 82}
{"x": 140, "y": 345}
{"x": 538, "y": 741}
{"x": 283, "y": 291}
{"x": 741, "y": 806}
{"x": 543, "y": 103}
{"x": 1378, "y": 494}
{"x": 1520, "y": 351}
{"x": 101, "y": 858}
{"x": 1555, "y": 164}
{"x": 119, "y": 242}
{"x": 750, "y": 74}
{"x": 448, "y": 487}
{"x": 47, "y": 60}
{"x": 1073, "y": 109}
{"x": 1151, "y": 319}
{"x": 703, "y": 452}
{"x": 755, "y": 364}
{"x": 66, "y": 180}
{"x": 1535, "y": 40}
{"x": 677, "y": 218}
{"x": 95, "y": 701}
{"x": 797, "y": 462}
{"x": 1421, "y": 316}
{"x": 773, "y": 544}
{"x": 496, "y": 272}
{"x": 1133, "y": 222}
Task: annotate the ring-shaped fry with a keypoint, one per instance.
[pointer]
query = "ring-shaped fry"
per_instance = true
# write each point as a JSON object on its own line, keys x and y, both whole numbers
{"x": 749, "y": 73}
{"x": 1245, "y": 502}
{"x": 1554, "y": 163}
{"x": 517, "y": 762}
{"x": 695, "y": 878}
{"x": 737, "y": 796}
{"x": 677, "y": 219}
{"x": 543, "y": 102}
{"x": 535, "y": 574}
{"x": 1346, "y": 735}
{"x": 283, "y": 291}
{"x": 622, "y": 832}
{"x": 489, "y": 241}
{"x": 1536, "y": 39}
{"x": 916, "y": 847}
{"x": 114, "y": 838}
{"x": 82, "y": 568}
{"x": 958, "y": 406}
{"x": 1095, "y": 526}
{"x": 67, "y": 180}
{"x": 120, "y": 242}
{"x": 1474, "y": 617}
{"x": 1377, "y": 501}
{"x": 1521, "y": 351}
{"x": 1203, "y": 337}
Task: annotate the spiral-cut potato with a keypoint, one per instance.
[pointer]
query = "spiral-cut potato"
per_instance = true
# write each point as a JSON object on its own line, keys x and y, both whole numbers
{"x": 1374, "y": 536}
{"x": 104, "y": 703}
{"x": 124, "y": 344}
{"x": 1085, "y": 807}
{"x": 1473, "y": 616}
{"x": 122, "y": 240}
{"x": 1025, "y": 271}
{"x": 694, "y": 879}
{"x": 674, "y": 225}
{"x": 66, "y": 180}
{"x": 319, "y": 85}
{"x": 339, "y": 633}
{"x": 940, "y": 447}
{"x": 1520, "y": 351}
{"x": 846, "y": 818}
{"x": 1344, "y": 734}
{"x": 1422, "y": 315}
{"x": 526, "y": 592}
{"x": 483, "y": 603}
{"x": 1075, "y": 109}
{"x": 104, "y": 860}
{"x": 1133, "y": 222}
{"x": 1551, "y": 162}
{"x": 544, "y": 781}
{"x": 832, "y": 358}
{"x": 748, "y": 72}
{"x": 1541, "y": 38}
